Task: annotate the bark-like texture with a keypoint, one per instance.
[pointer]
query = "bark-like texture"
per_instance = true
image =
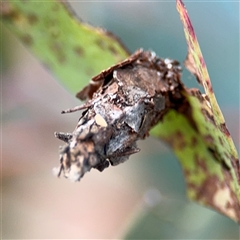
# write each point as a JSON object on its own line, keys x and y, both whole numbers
{"x": 132, "y": 97}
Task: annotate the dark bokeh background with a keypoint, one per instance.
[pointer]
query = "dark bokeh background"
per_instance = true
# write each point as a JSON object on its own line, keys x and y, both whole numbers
{"x": 36, "y": 205}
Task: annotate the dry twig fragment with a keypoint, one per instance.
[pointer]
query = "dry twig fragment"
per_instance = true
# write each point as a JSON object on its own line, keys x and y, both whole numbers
{"x": 128, "y": 99}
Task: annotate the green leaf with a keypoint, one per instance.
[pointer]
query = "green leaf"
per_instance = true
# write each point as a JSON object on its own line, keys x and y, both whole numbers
{"x": 73, "y": 51}
{"x": 199, "y": 147}
{"x": 200, "y": 139}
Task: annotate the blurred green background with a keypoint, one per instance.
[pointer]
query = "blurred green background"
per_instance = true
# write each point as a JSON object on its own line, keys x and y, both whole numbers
{"x": 143, "y": 198}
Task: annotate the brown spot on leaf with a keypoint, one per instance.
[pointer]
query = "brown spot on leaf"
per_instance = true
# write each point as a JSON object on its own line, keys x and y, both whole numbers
{"x": 187, "y": 173}
{"x": 194, "y": 142}
{"x": 6, "y": 11}
{"x": 220, "y": 140}
{"x": 208, "y": 116}
{"x": 61, "y": 58}
{"x": 79, "y": 51}
{"x": 209, "y": 139}
{"x": 112, "y": 50}
{"x": 27, "y": 39}
{"x": 236, "y": 167}
{"x": 104, "y": 45}
{"x": 224, "y": 129}
{"x": 202, "y": 61}
{"x": 89, "y": 71}
{"x": 189, "y": 26}
{"x": 32, "y": 19}
{"x": 215, "y": 193}
{"x": 180, "y": 140}
{"x": 207, "y": 189}
{"x": 216, "y": 155}
{"x": 101, "y": 43}
{"x": 226, "y": 155}
{"x": 209, "y": 85}
{"x": 201, "y": 163}
{"x": 58, "y": 52}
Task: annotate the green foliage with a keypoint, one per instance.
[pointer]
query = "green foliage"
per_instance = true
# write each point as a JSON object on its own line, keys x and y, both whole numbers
{"x": 201, "y": 153}
{"x": 73, "y": 51}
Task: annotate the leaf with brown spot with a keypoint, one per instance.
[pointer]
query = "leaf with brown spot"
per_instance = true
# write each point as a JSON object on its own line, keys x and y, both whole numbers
{"x": 60, "y": 41}
{"x": 211, "y": 160}
{"x": 215, "y": 144}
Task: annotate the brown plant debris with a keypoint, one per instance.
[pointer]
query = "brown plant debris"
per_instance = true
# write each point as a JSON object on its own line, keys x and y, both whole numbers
{"x": 124, "y": 103}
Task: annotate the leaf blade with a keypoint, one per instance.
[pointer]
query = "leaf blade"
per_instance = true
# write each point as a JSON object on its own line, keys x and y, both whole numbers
{"x": 72, "y": 50}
